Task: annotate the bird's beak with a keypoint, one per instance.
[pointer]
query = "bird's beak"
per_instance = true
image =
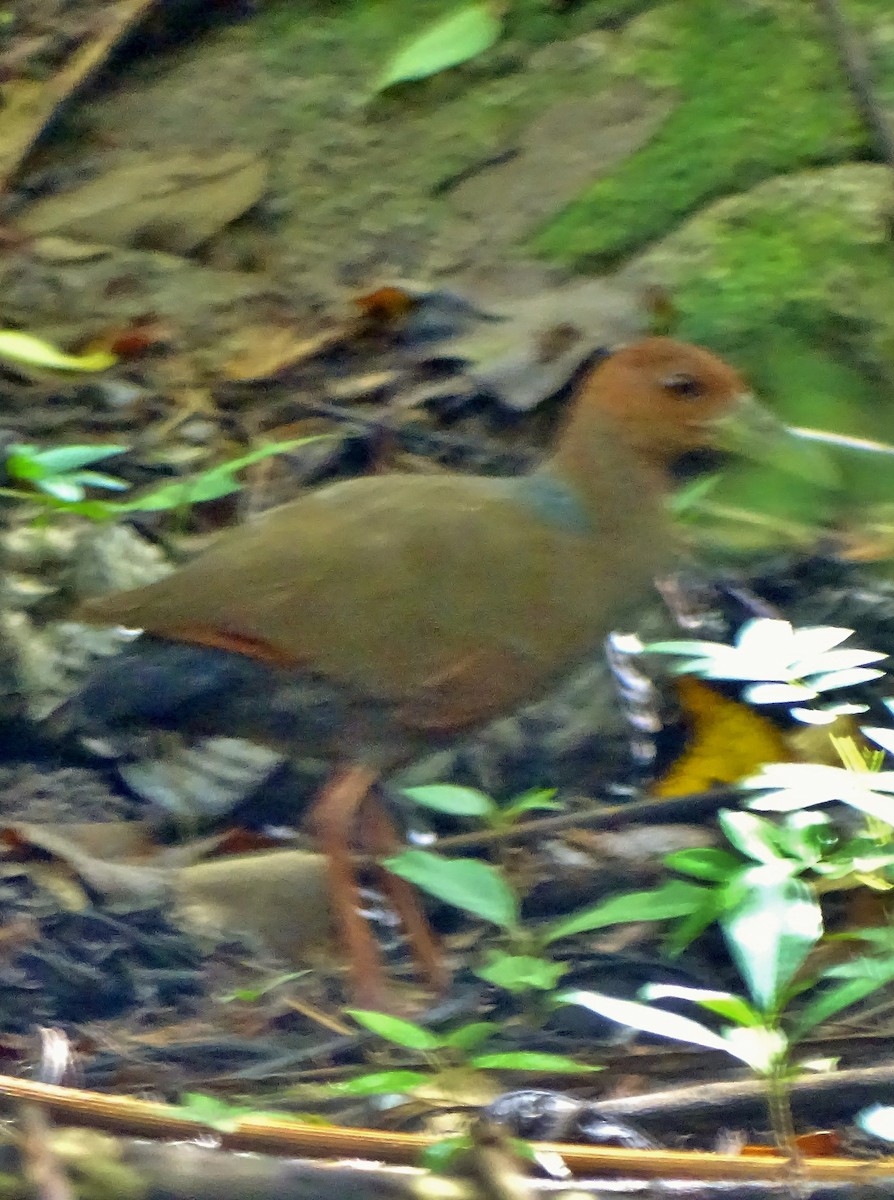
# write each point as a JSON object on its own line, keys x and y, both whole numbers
{"x": 751, "y": 431}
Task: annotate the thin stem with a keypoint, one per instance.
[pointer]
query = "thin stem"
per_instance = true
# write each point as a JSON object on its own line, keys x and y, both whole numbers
{"x": 779, "y": 1104}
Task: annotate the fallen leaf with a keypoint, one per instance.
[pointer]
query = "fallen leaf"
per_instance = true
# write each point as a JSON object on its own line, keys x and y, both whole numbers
{"x": 544, "y": 339}
{"x": 824, "y": 1143}
{"x": 281, "y": 898}
{"x": 31, "y": 351}
{"x": 117, "y": 881}
{"x": 265, "y": 351}
{"x": 386, "y": 303}
{"x": 133, "y": 339}
{"x": 185, "y": 199}
{"x": 727, "y": 742}
{"x": 455, "y": 39}
{"x": 29, "y": 105}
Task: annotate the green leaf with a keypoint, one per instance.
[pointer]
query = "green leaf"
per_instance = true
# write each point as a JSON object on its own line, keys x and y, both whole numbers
{"x": 677, "y": 898}
{"x": 250, "y": 995}
{"x": 521, "y": 972}
{"x": 878, "y": 935}
{"x": 724, "y": 1004}
{"x": 99, "y": 479}
{"x": 695, "y": 923}
{"x": 704, "y": 863}
{"x": 379, "y": 1083}
{"x": 646, "y": 1018}
{"x": 21, "y": 463}
{"x": 182, "y": 492}
{"x": 682, "y": 646}
{"x": 764, "y": 1048}
{"x": 771, "y": 931}
{"x": 34, "y": 352}
{"x": 211, "y": 484}
{"x": 211, "y": 1111}
{"x": 393, "y": 1029}
{"x": 752, "y": 835}
{"x": 878, "y": 1121}
{"x": 536, "y": 800}
{"x": 453, "y": 800}
{"x": 94, "y": 510}
{"x": 59, "y": 459}
{"x": 531, "y": 1060}
{"x": 455, "y": 39}
{"x": 473, "y": 886}
{"x": 439, "y": 1156}
{"x": 60, "y": 488}
{"x": 467, "y": 1037}
{"x": 686, "y": 499}
{"x": 807, "y": 836}
{"x": 843, "y": 996}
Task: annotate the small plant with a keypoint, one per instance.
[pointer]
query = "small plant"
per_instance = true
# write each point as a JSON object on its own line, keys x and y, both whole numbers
{"x": 763, "y": 891}
{"x": 803, "y": 845}
{"x": 859, "y": 782}
{"x": 782, "y": 665}
{"x": 445, "y": 1055}
{"x": 251, "y": 995}
{"x": 58, "y": 482}
{"x": 770, "y": 933}
{"x": 59, "y": 472}
{"x": 522, "y": 965}
{"x": 457, "y": 801}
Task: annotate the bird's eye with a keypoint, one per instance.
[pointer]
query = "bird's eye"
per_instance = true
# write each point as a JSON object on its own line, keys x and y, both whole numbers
{"x": 685, "y": 386}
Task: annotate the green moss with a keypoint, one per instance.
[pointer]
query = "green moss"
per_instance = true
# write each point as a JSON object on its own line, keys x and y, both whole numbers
{"x": 537, "y": 22}
{"x": 760, "y": 92}
{"x": 373, "y": 175}
{"x": 808, "y": 254}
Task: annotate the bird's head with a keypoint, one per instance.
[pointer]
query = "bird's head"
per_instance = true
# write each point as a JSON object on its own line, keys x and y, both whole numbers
{"x": 671, "y": 402}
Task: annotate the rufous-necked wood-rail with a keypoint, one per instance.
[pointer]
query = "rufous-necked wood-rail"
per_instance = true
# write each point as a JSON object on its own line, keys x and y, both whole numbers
{"x": 368, "y": 621}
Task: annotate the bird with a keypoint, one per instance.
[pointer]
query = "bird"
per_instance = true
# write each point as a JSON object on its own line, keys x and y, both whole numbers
{"x": 372, "y": 620}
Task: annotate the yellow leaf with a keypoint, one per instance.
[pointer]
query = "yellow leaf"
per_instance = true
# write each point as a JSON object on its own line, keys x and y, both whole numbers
{"x": 34, "y": 352}
{"x": 727, "y": 742}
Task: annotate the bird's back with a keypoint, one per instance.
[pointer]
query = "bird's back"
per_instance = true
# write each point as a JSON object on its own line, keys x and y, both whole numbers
{"x": 446, "y": 599}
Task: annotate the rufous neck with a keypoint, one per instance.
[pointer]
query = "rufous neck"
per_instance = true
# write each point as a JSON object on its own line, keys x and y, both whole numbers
{"x": 592, "y": 454}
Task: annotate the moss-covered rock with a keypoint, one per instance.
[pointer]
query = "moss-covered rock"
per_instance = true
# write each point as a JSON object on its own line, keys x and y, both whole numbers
{"x": 760, "y": 92}
{"x": 807, "y": 256}
{"x": 794, "y": 281}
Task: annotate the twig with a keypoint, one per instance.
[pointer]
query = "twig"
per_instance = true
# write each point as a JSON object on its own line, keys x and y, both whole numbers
{"x": 122, "y": 1114}
{"x": 43, "y": 1169}
{"x": 600, "y": 816}
{"x": 856, "y": 68}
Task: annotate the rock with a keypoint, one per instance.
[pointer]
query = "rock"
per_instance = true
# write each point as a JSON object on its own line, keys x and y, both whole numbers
{"x": 46, "y": 570}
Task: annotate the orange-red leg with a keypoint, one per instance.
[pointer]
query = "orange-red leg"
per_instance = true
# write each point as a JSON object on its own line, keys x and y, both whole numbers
{"x": 345, "y": 802}
{"x": 332, "y": 818}
{"x": 380, "y": 837}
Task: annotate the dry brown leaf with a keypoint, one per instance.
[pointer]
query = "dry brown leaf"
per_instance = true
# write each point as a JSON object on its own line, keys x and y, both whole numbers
{"x": 728, "y": 741}
{"x": 30, "y": 105}
{"x": 280, "y": 897}
{"x": 115, "y": 880}
{"x": 172, "y": 204}
{"x": 266, "y": 350}
{"x": 544, "y": 338}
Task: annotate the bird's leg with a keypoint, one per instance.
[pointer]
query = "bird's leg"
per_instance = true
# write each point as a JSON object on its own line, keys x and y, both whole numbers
{"x": 380, "y": 837}
{"x": 332, "y": 819}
